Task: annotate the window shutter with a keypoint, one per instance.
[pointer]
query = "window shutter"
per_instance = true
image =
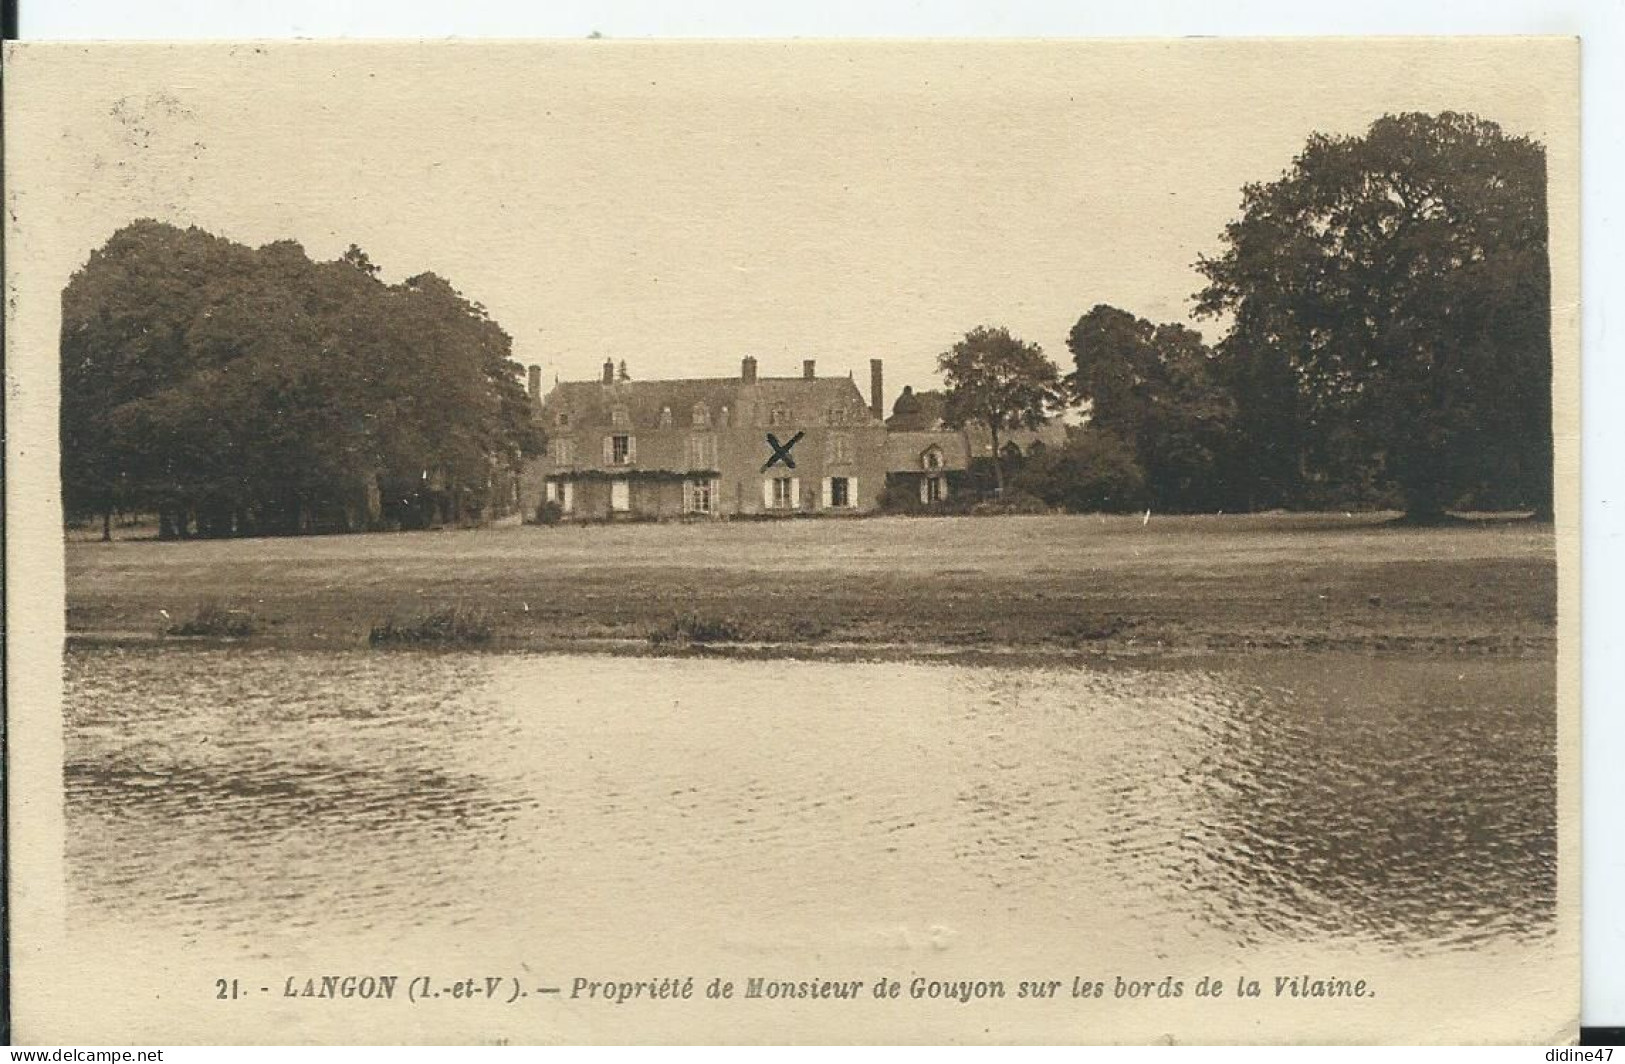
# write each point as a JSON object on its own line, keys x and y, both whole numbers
{"x": 852, "y": 492}
{"x": 925, "y": 489}
{"x": 631, "y": 450}
{"x": 767, "y": 493}
{"x": 569, "y": 496}
{"x": 795, "y": 493}
{"x": 829, "y": 493}
{"x": 942, "y": 491}
{"x": 609, "y": 450}
{"x": 552, "y": 491}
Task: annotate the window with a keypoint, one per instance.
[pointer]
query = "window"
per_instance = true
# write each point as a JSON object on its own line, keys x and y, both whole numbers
{"x": 932, "y": 490}
{"x": 702, "y": 451}
{"x": 562, "y": 419}
{"x": 665, "y": 417}
{"x": 564, "y": 452}
{"x": 932, "y": 458}
{"x": 782, "y": 493}
{"x": 620, "y": 450}
{"x": 840, "y": 493}
{"x": 620, "y": 418}
{"x": 837, "y": 415}
{"x": 840, "y": 449}
{"x": 699, "y": 495}
{"x": 702, "y": 416}
{"x": 620, "y": 496}
{"x": 778, "y": 415}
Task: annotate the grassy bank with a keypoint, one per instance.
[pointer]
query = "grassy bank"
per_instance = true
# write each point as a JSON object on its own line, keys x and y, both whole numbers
{"x": 1107, "y": 583}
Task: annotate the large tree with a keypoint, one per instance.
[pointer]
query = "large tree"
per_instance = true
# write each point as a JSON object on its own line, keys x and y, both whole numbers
{"x": 996, "y": 379}
{"x": 1153, "y": 387}
{"x": 236, "y": 390}
{"x": 1392, "y": 291}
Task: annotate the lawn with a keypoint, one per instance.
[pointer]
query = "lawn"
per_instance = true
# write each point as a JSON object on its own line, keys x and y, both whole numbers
{"x": 1112, "y": 583}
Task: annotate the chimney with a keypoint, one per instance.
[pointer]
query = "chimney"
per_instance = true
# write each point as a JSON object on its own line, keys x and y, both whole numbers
{"x": 877, "y": 394}
{"x": 535, "y": 382}
{"x": 807, "y": 369}
{"x": 609, "y": 371}
{"x": 747, "y": 369}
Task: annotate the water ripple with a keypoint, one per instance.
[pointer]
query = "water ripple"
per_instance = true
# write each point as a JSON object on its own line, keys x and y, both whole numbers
{"x": 1404, "y": 803}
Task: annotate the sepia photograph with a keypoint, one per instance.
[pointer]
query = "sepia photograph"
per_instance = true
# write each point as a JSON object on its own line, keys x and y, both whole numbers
{"x": 615, "y": 541}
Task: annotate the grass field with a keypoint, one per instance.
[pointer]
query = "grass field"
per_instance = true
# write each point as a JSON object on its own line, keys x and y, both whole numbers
{"x": 1100, "y": 583}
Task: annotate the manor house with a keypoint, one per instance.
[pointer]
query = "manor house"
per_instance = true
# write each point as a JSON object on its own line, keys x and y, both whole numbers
{"x": 733, "y": 446}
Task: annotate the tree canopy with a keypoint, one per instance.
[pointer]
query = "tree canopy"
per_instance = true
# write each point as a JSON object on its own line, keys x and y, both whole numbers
{"x": 1153, "y": 387}
{"x": 253, "y": 390}
{"x": 1094, "y": 472}
{"x": 996, "y": 379}
{"x": 1390, "y": 306}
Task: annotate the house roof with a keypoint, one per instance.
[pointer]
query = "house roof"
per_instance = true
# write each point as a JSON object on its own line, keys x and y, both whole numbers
{"x": 915, "y": 411}
{"x": 1051, "y": 434}
{"x": 806, "y": 399}
{"x": 905, "y": 450}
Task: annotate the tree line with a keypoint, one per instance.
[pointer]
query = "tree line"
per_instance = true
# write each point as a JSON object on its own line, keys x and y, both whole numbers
{"x": 235, "y": 390}
{"x": 1388, "y": 344}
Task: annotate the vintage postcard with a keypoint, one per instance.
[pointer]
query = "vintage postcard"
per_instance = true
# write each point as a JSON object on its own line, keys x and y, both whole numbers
{"x": 745, "y": 542}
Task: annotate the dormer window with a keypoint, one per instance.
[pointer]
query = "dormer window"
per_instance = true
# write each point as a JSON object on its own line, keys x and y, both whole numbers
{"x": 665, "y": 417}
{"x": 837, "y": 415}
{"x": 778, "y": 414}
{"x": 932, "y": 458}
{"x": 702, "y": 415}
{"x": 620, "y": 418}
{"x": 562, "y": 419}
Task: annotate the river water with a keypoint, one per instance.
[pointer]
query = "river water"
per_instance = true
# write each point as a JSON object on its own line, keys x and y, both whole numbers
{"x": 1350, "y": 815}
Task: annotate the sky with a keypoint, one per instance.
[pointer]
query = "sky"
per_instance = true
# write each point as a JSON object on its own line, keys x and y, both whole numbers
{"x": 681, "y": 206}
